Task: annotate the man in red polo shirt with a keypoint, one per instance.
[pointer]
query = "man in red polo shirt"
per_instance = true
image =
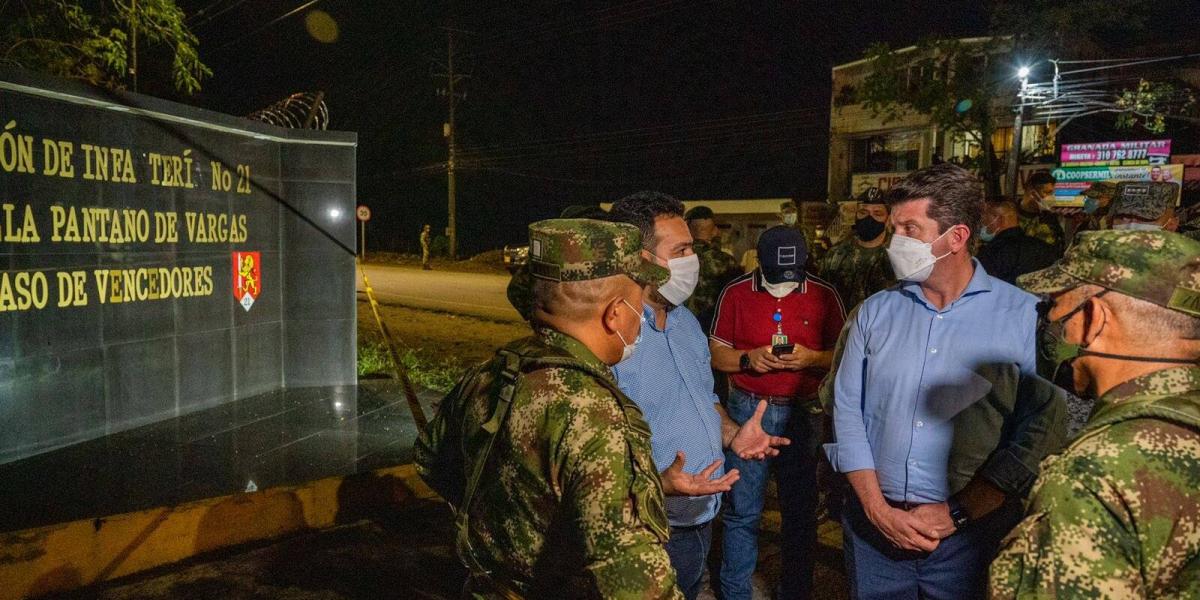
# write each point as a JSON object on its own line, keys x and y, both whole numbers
{"x": 774, "y": 332}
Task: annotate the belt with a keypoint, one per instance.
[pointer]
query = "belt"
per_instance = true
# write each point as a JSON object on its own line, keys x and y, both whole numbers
{"x": 903, "y": 505}
{"x": 778, "y": 400}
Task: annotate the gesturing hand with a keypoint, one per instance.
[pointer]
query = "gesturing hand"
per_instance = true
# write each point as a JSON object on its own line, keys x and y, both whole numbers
{"x": 751, "y": 442}
{"x": 677, "y": 483}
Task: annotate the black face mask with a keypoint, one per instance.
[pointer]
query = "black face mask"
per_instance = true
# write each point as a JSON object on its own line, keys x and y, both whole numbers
{"x": 867, "y": 228}
{"x": 1063, "y": 354}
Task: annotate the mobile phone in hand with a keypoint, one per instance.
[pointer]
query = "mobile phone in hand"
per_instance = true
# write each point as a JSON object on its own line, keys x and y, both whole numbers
{"x": 781, "y": 349}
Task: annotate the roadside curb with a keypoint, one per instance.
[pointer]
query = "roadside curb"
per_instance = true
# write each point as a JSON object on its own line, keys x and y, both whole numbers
{"x": 68, "y": 556}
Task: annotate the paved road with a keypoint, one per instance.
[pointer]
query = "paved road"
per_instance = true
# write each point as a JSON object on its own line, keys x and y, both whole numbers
{"x": 474, "y": 294}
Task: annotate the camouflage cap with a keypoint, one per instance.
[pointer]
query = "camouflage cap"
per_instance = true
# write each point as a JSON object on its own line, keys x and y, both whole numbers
{"x": 1145, "y": 200}
{"x": 586, "y": 249}
{"x": 1156, "y": 266}
{"x": 1099, "y": 189}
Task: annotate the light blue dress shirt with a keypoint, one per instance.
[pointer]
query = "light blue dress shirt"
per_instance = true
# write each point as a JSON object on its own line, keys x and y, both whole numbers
{"x": 909, "y": 368}
{"x": 670, "y": 379}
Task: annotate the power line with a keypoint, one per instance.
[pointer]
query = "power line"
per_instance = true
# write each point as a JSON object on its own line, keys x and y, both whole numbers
{"x": 613, "y": 12}
{"x": 692, "y": 153}
{"x": 236, "y": 4}
{"x": 650, "y": 138}
{"x": 203, "y": 11}
{"x": 713, "y": 139}
{"x": 639, "y": 131}
{"x": 649, "y": 181}
{"x": 605, "y": 21}
{"x": 285, "y": 15}
{"x": 1135, "y": 63}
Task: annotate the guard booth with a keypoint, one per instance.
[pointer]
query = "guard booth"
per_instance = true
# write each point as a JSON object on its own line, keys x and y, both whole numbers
{"x": 177, "y": 331}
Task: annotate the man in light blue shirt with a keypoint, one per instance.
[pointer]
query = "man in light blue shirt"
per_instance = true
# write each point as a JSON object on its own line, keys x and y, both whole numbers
{"x": 670, "y": 378}
{"x": 913, "y": 397}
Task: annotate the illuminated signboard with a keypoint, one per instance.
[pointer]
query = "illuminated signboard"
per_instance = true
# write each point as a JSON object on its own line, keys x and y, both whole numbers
{"x": 159, "y": 259}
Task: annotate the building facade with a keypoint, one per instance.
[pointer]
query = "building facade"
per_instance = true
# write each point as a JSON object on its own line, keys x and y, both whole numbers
{"x": 867, "y": 150}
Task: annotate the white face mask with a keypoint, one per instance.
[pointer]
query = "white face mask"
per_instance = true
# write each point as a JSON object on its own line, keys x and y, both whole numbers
{"x": 912, "y": 259}
{"x": 1135, "y": 226}
{"x": 789, "y": 219}
{"x": 628, "y": 349}
{"x": 780, "y": 290}
{"x": 685, "y": 274}
{"x": 1042, "y": 201}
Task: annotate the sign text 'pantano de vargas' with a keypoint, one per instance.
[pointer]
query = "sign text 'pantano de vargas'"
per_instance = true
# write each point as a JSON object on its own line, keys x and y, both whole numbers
{"x": 158, "y": 259}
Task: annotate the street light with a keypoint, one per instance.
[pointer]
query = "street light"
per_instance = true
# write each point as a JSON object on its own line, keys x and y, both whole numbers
{"x": 1023, "y": 73}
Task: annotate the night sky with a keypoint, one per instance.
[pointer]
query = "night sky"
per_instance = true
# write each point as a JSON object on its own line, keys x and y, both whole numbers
{"x": 716, "y": 99}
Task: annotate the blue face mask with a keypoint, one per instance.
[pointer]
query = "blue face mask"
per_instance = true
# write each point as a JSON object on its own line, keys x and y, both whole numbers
{"x": 985, "y": 233}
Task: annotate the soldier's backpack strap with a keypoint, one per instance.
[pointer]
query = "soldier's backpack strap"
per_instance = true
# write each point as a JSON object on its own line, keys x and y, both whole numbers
{"x": 514, "y": 365}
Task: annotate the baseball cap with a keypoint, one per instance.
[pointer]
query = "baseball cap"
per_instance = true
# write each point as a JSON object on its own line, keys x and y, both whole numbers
{"x": 787, "y": 205}
{"x": 1156, "y": 266}
{"x": 698, "y": 212}
{"x": 1145, "y": 200}
{"x": 782, "y": 253}
{"x": 585, "y": 249}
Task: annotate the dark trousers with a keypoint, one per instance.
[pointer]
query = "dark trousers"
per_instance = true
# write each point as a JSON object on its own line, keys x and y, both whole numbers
{"x": 688, "y": 550}
{"x": 956, "y": 570}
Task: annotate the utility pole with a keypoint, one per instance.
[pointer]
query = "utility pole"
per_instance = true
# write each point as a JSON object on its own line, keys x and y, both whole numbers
{"x": 1014, "y": 153}
{"x": 449, "y": 131}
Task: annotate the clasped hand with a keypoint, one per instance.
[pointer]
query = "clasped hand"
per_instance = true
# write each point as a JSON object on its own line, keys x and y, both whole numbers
{"x": 920, "y": 529}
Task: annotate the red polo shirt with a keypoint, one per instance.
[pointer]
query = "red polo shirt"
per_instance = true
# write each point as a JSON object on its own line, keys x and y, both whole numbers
{"x": 812, "y": 317}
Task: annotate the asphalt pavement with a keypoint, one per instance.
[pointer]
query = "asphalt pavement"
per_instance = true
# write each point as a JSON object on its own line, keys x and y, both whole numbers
{"x": 474, "y": 294}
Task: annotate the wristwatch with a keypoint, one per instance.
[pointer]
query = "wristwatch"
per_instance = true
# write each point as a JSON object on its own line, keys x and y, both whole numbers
{"x": 744, "y": 361}
{"x": 958, "y": 514}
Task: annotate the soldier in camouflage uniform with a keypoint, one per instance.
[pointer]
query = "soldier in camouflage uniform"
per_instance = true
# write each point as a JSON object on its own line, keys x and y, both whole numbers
{"x": 716, "y": 267}
{"x": 1117, "y": 514}
{"x": 1037, "y": 216}
{"x": 858, "y": 266}
{"x": 1145, "y": 205}
{"x": 546, "y": 462}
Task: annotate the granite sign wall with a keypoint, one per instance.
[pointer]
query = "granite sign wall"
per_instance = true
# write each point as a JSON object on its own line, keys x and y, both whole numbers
{"x": 158, "y": 259}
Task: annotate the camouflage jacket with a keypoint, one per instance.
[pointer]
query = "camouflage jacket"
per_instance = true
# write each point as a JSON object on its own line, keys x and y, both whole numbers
{"x": 716, "y": 269}
{"x": 856, "y": 272}
{"x": 1192, "y": 228}
{"x": 1117, "y": 514}
{"x": 1043, "y": 226}
{"x": 568, "y": 502}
